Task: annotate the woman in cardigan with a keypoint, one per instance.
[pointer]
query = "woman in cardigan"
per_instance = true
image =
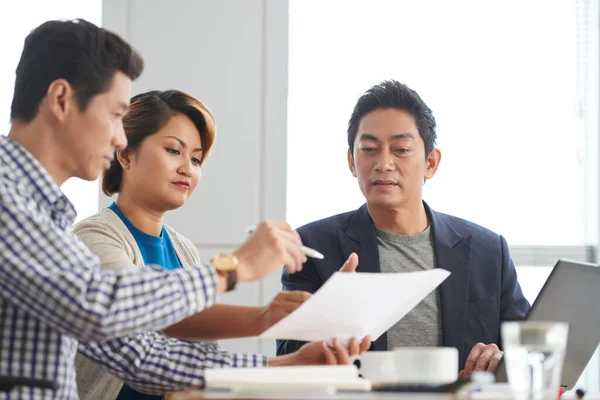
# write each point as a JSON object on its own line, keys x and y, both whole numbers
{"x": 170, "y": 134}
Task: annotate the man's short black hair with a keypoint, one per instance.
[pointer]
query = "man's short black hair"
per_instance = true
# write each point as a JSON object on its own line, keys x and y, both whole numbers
{"x": 393, "y": 94}
{"x": 78, "y": 51}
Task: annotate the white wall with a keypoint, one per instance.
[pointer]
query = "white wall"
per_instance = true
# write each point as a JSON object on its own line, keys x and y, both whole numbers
{"x": 232, "y": 54}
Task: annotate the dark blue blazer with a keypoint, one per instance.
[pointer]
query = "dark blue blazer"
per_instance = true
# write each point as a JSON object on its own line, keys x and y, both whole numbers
{"x": 481, "y": 291}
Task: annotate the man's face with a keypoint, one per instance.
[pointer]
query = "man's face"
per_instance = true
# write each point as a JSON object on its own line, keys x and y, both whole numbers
{"x": 91, "y": 137}
{"x": 389, "y": 159}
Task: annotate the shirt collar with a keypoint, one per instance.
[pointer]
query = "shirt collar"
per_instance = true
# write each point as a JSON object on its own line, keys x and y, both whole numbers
{"x": 33, "y": 179}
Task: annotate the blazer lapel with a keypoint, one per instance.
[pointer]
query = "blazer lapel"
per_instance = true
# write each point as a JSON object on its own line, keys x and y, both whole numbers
{"x": 359, "y": 237}
{"x": 453, "y": 253}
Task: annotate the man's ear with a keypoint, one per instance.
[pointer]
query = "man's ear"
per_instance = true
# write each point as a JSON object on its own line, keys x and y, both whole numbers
{"x": 432, "y": 163}
{"x": 60, "y": 99}
{"x": 351, "y": 163}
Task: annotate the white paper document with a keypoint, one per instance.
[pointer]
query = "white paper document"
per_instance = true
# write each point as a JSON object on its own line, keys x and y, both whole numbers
{"x": 357, "y": 304}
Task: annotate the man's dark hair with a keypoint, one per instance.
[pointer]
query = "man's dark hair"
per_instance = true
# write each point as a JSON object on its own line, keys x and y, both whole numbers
{"x": 393, "y": 94}
{"x": 78, "y": 51}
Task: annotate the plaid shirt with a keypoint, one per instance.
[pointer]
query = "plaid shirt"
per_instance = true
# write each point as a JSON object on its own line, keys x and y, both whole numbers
{"x": 53, "y": 294}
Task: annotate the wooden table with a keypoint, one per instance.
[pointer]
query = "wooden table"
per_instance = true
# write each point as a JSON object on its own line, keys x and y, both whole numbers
{"x": 195, "y": 394}
{"x": 218, "y": 395}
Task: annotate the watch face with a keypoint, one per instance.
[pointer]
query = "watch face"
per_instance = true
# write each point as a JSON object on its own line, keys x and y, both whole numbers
{"x": 225, "y": 262}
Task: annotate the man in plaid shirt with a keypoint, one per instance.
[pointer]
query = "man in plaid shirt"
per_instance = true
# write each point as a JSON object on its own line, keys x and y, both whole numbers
{"x": 72, "y": 90}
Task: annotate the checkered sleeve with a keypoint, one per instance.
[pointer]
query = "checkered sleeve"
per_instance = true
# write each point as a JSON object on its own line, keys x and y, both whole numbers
{"x": 153, "y": 363}
{"x": 47, "y": 272}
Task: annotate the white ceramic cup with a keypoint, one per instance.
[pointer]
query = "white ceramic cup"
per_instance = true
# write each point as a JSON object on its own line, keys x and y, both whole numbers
{"x": 409, "y": 365}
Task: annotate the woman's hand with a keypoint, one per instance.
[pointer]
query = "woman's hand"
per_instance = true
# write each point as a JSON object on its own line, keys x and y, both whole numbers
{"x": 280, "y": 307}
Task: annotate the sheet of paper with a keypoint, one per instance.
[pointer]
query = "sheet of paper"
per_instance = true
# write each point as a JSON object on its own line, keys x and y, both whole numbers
{"x": 357, "y": 304}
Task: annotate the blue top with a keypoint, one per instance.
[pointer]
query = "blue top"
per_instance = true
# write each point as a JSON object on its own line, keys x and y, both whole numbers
{"x": 157, "y": 250}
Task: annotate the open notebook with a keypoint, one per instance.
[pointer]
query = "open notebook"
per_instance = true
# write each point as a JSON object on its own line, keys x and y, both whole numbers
{"x": 327, "y": 379}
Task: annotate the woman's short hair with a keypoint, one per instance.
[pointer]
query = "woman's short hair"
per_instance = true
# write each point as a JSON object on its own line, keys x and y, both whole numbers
{"x": 148, "y": 113}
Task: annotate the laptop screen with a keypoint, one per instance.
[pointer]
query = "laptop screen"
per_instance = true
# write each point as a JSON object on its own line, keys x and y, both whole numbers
{"x": 571, "y": 294}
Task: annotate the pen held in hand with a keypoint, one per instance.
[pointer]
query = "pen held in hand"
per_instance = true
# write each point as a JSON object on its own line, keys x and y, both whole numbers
{"x": 306, "y": 250}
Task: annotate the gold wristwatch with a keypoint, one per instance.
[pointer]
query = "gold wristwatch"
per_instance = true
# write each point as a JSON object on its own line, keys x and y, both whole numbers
{"x": 226, "y": 266}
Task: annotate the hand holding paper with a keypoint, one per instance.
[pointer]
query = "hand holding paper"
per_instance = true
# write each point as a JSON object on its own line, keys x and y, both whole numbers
{"x": 351, "y": 264}
{"x": 357, "y": 305}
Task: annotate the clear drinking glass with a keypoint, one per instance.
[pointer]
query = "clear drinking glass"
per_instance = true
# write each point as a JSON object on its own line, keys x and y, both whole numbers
{"x": 534, "y": 353}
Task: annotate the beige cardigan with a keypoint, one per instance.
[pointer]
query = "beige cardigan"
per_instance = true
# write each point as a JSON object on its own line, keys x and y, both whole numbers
{"x": 108, "y": 237}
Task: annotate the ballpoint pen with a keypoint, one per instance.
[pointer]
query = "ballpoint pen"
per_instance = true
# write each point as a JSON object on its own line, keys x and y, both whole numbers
{"x": 306, "y": 250}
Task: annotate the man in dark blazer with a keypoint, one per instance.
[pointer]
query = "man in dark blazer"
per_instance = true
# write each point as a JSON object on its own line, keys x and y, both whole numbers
{"x": 391, "y": 141}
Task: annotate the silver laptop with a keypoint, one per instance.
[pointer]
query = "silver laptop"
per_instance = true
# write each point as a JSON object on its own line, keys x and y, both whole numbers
{"x": 571, "y": 294}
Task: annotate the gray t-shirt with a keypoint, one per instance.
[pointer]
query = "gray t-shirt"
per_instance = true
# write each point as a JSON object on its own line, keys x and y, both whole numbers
{"x": 422, "y": 326}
